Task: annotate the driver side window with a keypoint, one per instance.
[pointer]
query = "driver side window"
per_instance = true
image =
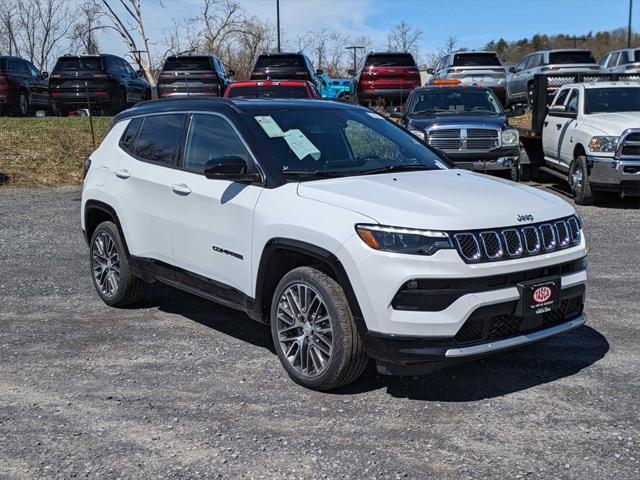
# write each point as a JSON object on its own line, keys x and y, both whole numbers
{"x": 561, "y": 97}
{"x": 365, "y": 142}
{"x": 572, "y": 103}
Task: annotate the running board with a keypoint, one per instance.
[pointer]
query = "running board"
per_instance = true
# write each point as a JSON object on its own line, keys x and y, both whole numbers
{"x": 554, "y": 173}
{"x": 201, "y": 293}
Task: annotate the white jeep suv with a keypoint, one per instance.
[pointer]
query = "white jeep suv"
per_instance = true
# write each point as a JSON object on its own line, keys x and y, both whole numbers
{"x": 347, "y": 235}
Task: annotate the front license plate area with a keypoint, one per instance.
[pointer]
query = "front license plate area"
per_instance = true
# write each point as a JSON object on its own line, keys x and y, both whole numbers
{"x": 538, "y": 296}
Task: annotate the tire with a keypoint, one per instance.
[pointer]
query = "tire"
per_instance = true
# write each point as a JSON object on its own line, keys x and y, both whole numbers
{"x": 335, "y": 355}
{"x": 22, "y": 108}
{"x": 59, "y": 111}
{"x": 530, "y": 93}
{"x": 525, "y": 172}
{"x": 579, "y": 182}
{"x": 110, "y": 270}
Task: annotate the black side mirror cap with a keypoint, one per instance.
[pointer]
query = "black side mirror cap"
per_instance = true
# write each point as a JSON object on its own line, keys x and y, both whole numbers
{"x": 319, "y": 71}
{"x": 431, "y": 71}
{"x": 231, "y": 73}
{"x": 140, "y": 73}
{"x": 512, "y": 69}
{"x": 230, "y": 168}
{"x": 395, "y": 114}
{"x": 44, "y": 74}
{"x": 351, "y": 72}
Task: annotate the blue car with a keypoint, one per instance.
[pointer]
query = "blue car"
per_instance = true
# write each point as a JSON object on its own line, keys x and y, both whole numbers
{"x": 334, "y": 88}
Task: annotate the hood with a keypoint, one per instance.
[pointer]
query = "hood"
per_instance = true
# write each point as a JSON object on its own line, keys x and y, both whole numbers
{"x": 438, "y": 199}
{"x": 427, "y": 121}
{"x": 613, "y": 123}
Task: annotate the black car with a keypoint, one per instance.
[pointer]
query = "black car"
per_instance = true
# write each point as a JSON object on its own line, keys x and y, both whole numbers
{"x": 193, "y": 75}
{"x": 467, "y": 124}
{"x": 101, "y": 83}
{"x": 284, "y": 66}
{"x": 23, "y": 88}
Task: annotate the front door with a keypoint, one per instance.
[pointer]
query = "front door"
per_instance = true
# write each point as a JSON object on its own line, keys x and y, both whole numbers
{"x": 553, "y": 131}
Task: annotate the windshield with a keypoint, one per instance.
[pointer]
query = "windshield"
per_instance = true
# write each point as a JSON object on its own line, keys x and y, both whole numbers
{"x": 316, "y": 143}
{"x": 187, "y": 63}
{"x": 476, "y": 60}
{"x": 391, "y": 60}
{"x": 78, "y": 63}
{"x": 272, "y": 91}
{"x": 602, "y": 100}
{"x": 456, "y": 100}
{"x": 570, "y": 57}
{"x": 280, "y": 61}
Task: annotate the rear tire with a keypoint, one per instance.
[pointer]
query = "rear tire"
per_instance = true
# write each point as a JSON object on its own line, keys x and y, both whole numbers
{"x": 59, "y": 111}
{"x": 313, "y": 330}
{"x": 110, "y": 270}
{"x": 22, "y": 108}
{"x": 579, "y": 182}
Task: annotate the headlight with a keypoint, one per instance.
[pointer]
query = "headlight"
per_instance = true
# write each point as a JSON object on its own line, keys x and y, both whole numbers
{"x": 403, "y": 240}
{"x": 603, "y": 144}
{"x": 510, "y": 137}
{"x": 418, "y": 133}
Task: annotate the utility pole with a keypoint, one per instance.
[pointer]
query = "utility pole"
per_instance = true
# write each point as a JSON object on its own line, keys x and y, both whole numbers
{"x": 629, "y": 29}
{"x": 278, "y": 21}
{"x": 355, "y": 60}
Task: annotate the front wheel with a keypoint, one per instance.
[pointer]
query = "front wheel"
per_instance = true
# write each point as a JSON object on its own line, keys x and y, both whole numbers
{"x": 23, "y": 104}
{"x": 579, "y": 181}
{"x": 314, "y": 332}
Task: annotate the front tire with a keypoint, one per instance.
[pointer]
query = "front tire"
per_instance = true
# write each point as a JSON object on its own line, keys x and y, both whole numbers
{"x": 23, "y": 104}
{"x": 313, "y": 330}
{"x": 110, "y": 270}
{"x": 579, "y": 182}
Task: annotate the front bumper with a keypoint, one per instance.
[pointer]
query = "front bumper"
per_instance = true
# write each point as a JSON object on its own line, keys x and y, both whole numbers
{"x": 500, "y": 160}
{"x": 610, "y": 174}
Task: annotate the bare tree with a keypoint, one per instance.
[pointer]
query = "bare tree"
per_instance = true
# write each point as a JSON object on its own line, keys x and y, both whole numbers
{"x": 8, "y": 27}
{"x": 450, "y": 45}
{"x": 84, "y": 31}
{"x": 404, "y": 37}
{"x": 257, "y": 36}
{"x": 337, "y": 56}
{"x": 222, "y": 21}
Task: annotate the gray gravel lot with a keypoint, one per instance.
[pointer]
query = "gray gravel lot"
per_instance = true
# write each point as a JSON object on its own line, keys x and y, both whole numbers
{"x": 182, "y": 388}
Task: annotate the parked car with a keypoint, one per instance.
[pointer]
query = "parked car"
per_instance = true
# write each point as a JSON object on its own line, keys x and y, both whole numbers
{"x": 468, "y": 124}
{"x": 626, "y": 60}
{"x": 337, "y": 228}
{"x": 193, "y": 75}
{"x": 272, "y": 89}
{"x": 334, "y": 87}
{"x": 520, "y": 80}
{"x": 386, "y": 77}
{"x": 97, "y": 82}
{"x": 23, "y": 88}
{"x": 284, "y": 66}
{"x": 473, "y": 68}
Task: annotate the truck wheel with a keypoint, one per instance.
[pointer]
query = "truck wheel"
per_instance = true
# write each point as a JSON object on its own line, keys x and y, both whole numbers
{"x": 110, "y": 269}
{"x": 313, "y": 331}
{"x": 525, "y": 172}
{"x": 23, "y": 104}
{"x": 579, "y": 182}
{"x": 530, "y": 93}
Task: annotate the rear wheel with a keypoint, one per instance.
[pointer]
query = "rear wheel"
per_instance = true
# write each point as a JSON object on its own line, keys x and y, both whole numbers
{"x": 579, "y": 182}
{"x": 58, "y": 110}
{"x": 23, "y": 104}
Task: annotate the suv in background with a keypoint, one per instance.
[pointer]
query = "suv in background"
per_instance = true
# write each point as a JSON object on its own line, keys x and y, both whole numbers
{"x": 386, "y": 77}
{"x": 193, "y": 75}
{"x": 23, "y": 89}
{"x": 473, "y": 68}
{"x": 284, "y": 66}
{"x": 99, "y": 82}
{"x": 334, "y": 87}
{"x": 520, "y": 79}
{"x": 335, "y": 227}
{"x": 272, "y": 89}
{"x": 626, "y": 60}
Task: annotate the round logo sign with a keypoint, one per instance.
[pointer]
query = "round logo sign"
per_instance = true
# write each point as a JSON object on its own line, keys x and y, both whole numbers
{"x": 542, "y": 294}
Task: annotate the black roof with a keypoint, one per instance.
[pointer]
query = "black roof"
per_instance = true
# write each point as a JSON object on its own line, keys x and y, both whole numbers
{"x": 280, "y": 54}
{"x": 102, "y": 55}
{"x": 429, "y": 86}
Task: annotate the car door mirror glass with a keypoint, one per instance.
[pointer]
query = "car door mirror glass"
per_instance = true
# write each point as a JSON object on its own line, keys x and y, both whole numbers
{"x": 230, "y": 168}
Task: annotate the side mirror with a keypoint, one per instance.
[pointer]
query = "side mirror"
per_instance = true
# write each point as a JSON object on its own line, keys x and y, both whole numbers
{"x": 431, "y": 71}
{"x": 230, "y": 168}
{"x": 557, "y": 109}
{"x": 44, "y": 74}
{"x": 512, "y": 69}
{"x": 395, "y": 114}
{"x": 319, "y": 71}
{"x": 231, "y": 73}
{"x": 516, "y": 111}
{"x": 140, "y": 73}
{"x": 351, "y": 72}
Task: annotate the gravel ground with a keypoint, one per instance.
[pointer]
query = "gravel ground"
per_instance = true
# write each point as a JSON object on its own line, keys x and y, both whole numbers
{"x": 182, "y": 388}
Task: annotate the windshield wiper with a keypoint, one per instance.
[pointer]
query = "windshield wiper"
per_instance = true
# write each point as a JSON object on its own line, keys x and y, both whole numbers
{"x": 430, "y": 110}
{"x": 316, "y": 173}
{"x": 393, "y": 168}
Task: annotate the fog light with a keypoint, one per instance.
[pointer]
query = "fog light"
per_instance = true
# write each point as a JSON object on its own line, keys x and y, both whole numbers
{"x": 412, "y": 285}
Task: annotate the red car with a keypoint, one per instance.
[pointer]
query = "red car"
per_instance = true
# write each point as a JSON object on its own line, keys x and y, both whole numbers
{"x": 272, "y": 89}
{"x": 386, "y": 77}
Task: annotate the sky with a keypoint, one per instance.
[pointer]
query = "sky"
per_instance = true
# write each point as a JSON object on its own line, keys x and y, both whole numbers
{"x": 472, "y": 22}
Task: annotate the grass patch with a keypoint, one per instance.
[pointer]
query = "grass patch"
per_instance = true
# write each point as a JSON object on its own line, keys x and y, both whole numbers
{"x": 47, "y": 151}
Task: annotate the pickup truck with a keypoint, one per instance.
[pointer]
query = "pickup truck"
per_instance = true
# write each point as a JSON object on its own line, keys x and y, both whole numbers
{"x": 589, "y": 136}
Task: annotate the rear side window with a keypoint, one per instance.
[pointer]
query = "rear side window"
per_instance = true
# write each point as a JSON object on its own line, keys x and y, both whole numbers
{"x": 78, "y": 63}
{"x": 188, "y": 63}
{"x": 128, "y": 140}
{"x": 476, "y": 60}
{"x": 390, "y": 60}
{"x": 569, "y": 57}
{"x": 159, "y": 138}
{"x": 211, "y": 137}
{"x": 280, "y": 61}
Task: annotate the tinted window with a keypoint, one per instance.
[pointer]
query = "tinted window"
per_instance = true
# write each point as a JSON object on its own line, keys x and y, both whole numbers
{"x": 128, "y": 140}
{"x": 603, "y": 60}
{"x": 280, "y": 61}
{"x": 562, "y": 96}
{"x": 211, "y": 137}
{"x": 112, "y": 64}
{"x": 572, "y": 103}
{"x": 18, "y": 67}
{"x": 392, "y": 60}
{"x": 159, "y": 138}
{"x": 33, "y": 71}
{"x": 3, "y": 64}
{"x": 475, "y": 60}
{"x": 599, "y": 100}
{"x": 458, "y": 100}
{"x": 624, "y": 58}
{"x": 275, "y": 91}
{"x": 188, "y": 63}
{"x": 523, "y": 64}
{"x": 569, "y": 57}
{"x": 79, "y": 63}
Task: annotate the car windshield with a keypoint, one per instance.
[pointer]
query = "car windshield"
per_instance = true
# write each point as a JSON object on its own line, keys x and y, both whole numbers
{"x": 319, "y": 143}
{"x": 280, "y": 61}
{"x": 390, "y": 60}
{"x": 455, "y": 101}
{"x": 271, "y": 91}
{"x": 569, "y": 57}
{"x": 605, "y": 100}
{"x": 476, "y": 60}
{"x": 187, "y": 63}
{"x": 78, "y": 63}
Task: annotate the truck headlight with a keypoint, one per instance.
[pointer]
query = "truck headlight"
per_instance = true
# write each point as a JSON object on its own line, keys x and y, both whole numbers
{"x": 603, "y": 144}
{"x": 403, "y": 240}
{"x": 510, "y": 137}
{"x": 418, "y": 133}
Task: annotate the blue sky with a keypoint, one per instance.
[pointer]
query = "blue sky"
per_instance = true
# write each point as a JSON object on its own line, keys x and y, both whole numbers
{"x": 473, "y": 22}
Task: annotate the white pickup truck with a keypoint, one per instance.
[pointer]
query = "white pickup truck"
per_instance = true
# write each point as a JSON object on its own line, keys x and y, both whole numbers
{"x": 591, "y": 137}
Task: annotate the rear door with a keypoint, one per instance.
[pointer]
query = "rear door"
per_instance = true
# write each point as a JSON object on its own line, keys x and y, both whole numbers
{"x": 135, "y": 85}
{"x": 516, "y": 83}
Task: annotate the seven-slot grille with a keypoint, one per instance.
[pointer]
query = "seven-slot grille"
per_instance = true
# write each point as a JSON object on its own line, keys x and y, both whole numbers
{"x": 519, "y": 241}
{"x": 461, "y": 139}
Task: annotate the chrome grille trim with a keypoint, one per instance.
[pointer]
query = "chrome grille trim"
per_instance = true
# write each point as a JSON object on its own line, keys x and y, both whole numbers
{"x": 531, "y": 240}
{"x": 464, "y": 138}
{"x": 629, "y": 138}
{"x": 469, "y": 252}
{"x": 548, "y": 237}
{"x": 491, "y": 245}
{"x": 574, "y": 229}
{"x": 512, "y": 242}
{"x": 562, "y": 231}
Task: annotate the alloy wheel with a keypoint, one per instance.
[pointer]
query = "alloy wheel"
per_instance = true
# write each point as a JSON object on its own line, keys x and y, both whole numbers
{"x": 105, "y": 264}
{"x": 305, "y": 331}
{"x": 576, "y": 180}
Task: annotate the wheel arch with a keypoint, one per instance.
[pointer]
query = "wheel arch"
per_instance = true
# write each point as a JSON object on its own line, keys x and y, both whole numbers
{"x": 96, "y": 212}
{"x": 281, "y": 255}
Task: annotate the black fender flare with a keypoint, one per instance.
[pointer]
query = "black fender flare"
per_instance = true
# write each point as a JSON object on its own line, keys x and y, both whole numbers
{"x": 110, "y": 211}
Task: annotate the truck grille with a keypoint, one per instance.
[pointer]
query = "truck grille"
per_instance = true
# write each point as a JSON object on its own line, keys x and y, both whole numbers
{"x": 519, "y": 241}
{"x": 464, "y": 139}
{"x": 629, "y": 145}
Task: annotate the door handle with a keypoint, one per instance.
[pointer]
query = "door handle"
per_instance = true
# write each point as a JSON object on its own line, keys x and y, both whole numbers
{"x": 546, "y": 123}
{"x": 122, "y": 173}
{"x": 558, "y": 126}
{"x": 180, "y": 189}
